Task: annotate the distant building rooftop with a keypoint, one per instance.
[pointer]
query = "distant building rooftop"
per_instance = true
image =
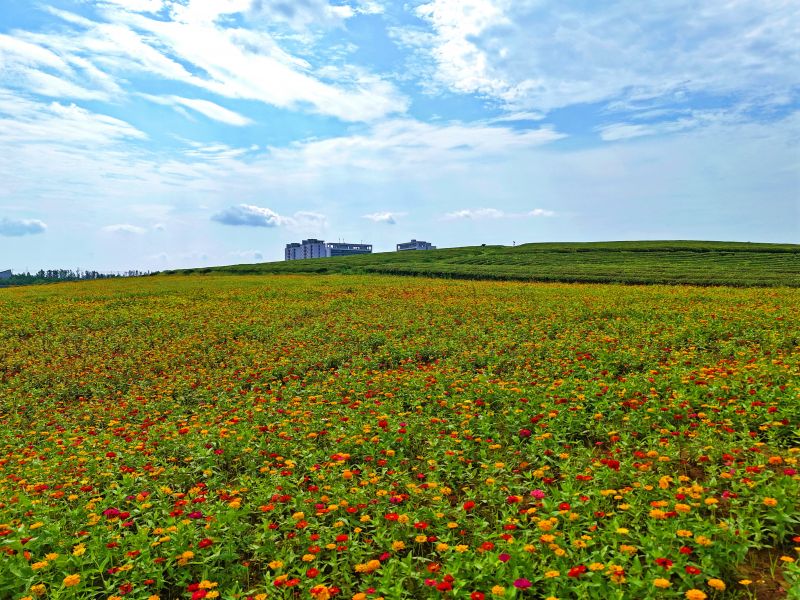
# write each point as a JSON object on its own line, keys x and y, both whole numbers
{"x": 415, "y": 245}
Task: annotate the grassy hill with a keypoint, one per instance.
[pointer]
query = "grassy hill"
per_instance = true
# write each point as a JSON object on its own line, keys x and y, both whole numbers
{"x": 657, "y": 262}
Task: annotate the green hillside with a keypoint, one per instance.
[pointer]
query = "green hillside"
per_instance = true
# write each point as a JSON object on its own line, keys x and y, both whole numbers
{"x": 658, "y": 262}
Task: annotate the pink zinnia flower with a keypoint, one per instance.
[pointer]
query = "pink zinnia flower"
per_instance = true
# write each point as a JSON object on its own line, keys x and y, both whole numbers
{"x": 522, "y": 583}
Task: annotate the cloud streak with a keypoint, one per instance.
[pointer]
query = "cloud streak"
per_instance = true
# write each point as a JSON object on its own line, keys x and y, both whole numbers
{"x": 206, "y": 108}
{"x": 495, "y": 213}
{"x": 125, "y": 229}
{"x": 27, "y": 121}
{"x": 197, "y": 46}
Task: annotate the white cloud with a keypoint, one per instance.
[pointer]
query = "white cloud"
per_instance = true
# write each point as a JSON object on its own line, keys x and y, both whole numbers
{"x": 151, "y": 6}
{"x": 495, "y": 213}
{"x": 401, "y": 144}
{"x": 540, "y": 212}
{"x": 199, "y": 45}
{"x": 204, "y": 107}
{"x": 476, "y": 213}
{"x": 538, "y": 54}
{"x": 390, "y": 218}
{"x": 300, "y": 14}
{"x": 26, "y": 121}
{"x": 14, "y": 51}
{"x": 519, "y": 116}
{"x": 125, "y": 229}
{"x": 663, "y": 186}
{"x": 25, "y": 64}
{"x": 20, "y": 227}
{"x": 690, "y": 119}
{"x": 250, "y": 215}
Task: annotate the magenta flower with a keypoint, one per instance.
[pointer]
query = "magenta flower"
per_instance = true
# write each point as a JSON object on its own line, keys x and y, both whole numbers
{"x": 522, "y": 583}
{"x": 538, "y": 494}
{"x": 504, "y": 557}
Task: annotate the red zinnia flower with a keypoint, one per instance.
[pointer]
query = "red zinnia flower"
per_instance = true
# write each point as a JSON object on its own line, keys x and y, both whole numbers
{"x": 664, "y": 562}
{"x": 444, "y": 586}
{"x": 692, "y": 570}
{"x": 576, "y": 571}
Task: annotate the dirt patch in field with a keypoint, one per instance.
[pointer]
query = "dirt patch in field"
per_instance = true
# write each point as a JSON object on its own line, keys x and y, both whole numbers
{"x": 763, "y": 569}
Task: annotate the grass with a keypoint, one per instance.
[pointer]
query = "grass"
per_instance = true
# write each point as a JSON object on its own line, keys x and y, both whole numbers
{"x": 658, "y": 262}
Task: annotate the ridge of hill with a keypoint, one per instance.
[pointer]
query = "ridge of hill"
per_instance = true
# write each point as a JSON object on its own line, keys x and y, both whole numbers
{"x": 741, "y": 264}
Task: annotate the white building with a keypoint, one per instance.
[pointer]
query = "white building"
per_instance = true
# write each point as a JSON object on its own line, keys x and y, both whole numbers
{"x": 313, "y": 248}
{"x": 346, "y": 249}
{"x": 415, "y": 245}
{"x": 310, "y": 248}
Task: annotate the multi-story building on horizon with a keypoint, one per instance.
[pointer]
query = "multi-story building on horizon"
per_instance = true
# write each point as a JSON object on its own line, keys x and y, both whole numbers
{"x": 313, "y": 248}
{"x": 310, "y": 248}
{"x": 415, "y": 245}
{"x": 345, "y": 248}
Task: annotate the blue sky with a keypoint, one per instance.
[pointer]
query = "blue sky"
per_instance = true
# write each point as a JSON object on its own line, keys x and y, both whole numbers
{"x": 155, "y": 134}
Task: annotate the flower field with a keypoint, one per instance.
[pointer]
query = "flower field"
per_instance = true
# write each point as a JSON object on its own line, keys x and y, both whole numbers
{"x": 359, "y": 437}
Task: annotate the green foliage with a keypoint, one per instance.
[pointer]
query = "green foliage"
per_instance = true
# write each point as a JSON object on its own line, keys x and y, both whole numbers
{"x": 674, "y": 262}
{"x": 234, "y": 437}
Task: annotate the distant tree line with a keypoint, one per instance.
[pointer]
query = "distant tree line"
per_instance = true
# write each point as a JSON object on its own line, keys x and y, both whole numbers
{"x": 55, "y": 275}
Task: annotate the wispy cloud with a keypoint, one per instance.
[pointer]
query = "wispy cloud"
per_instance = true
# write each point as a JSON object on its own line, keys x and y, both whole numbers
{"x": 20, "y": 227}
{"x": 389, "y": 218}
{"x": 476, "y": 213}
{"x": 544, "y": 55}
{"x": 519, "y": 116}
{"x": 23, "y": 120}
{"x": 495, "y": 213}
{"x": 689, "y": 119}
{"x": 125, "y": 229}
{"x": 300, "y": 14}
{"x": 29, "y": 66}
{"x": 400, "y": 144}
{"x": 206, "y": 108}
{"x": 198, "y": 45}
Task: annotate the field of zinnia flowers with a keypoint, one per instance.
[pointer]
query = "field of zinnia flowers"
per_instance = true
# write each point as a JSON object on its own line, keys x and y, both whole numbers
{"x": 365, "y": 437}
